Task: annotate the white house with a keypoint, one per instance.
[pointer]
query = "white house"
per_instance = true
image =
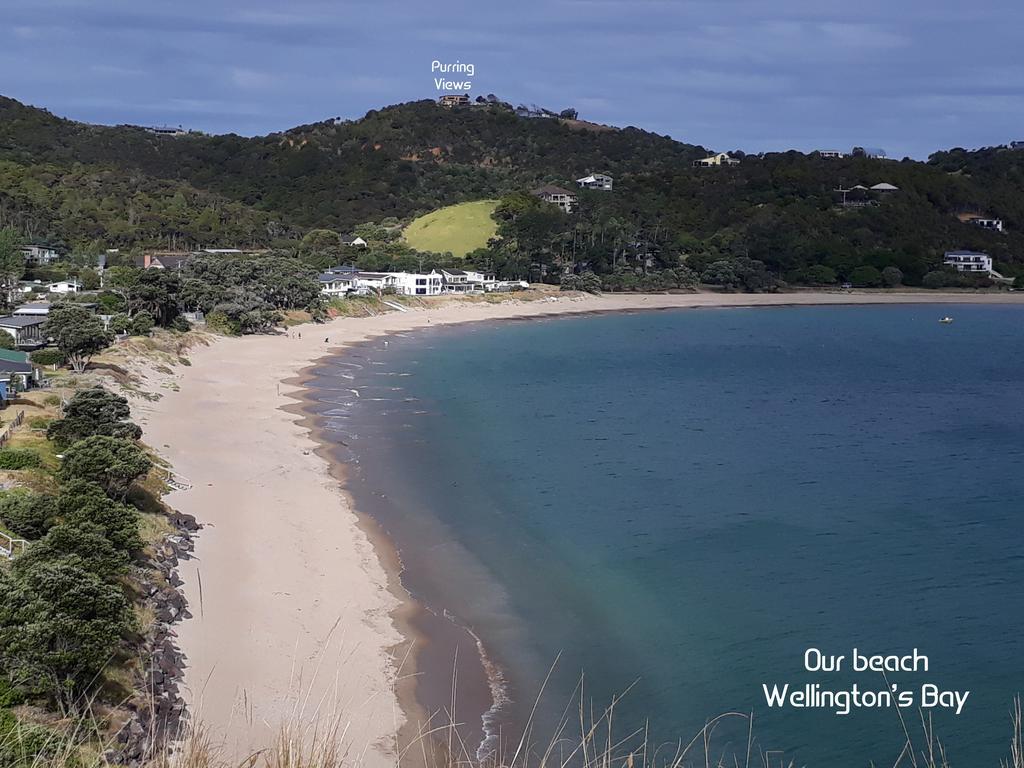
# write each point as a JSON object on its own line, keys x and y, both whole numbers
{"x": 353, "y": 242}
{"x": 337, "y": 284}
{"x": 720, "y": 159}
{"x": 969, "y": 261}
{"x": 596, "y": 181}
{"x": 39, "y": 254}
{"x": 414, "y": 284}
{"x": 64, "y": 286}
{"x": 996, "y": 225}
{"x": 833, "y": 154}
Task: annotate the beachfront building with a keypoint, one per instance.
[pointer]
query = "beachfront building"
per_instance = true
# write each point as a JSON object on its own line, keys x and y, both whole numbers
{"x": 600, "y": 181}
{"x": 563, "y": 198}
{"x": 969, "y": 261}
{"x": 415, "y": 284}
{"x": 334, "y": 284}
{"x": 26, "y": 330}
{"x": 467, "y": 281}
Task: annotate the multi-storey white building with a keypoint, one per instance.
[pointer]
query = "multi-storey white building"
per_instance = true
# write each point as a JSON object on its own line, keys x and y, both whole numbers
{"x": 969, "y": 261}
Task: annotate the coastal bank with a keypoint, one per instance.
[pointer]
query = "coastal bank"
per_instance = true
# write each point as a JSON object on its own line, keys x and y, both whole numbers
{"x": 299, "y": 616}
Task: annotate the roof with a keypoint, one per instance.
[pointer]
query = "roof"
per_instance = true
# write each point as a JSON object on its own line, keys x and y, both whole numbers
{"x": 21, "y": 321}
{"x": 11, "y": 366}
{"x": 966, "y": 253}
{"x": 33, "y": 308}
{"x": 330, "y": 277}
{"x": 453, "y": 272}
{"x": 13, "y": 356}
{"x": 885, "y": 186}
{"x": 551, "y": 189}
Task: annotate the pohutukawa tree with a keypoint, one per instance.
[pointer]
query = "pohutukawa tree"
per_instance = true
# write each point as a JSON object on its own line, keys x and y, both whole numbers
{"x": 78, "y": 333}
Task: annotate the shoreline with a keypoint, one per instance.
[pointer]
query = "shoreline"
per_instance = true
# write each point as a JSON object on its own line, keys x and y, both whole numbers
{"x": 273, "y": 371}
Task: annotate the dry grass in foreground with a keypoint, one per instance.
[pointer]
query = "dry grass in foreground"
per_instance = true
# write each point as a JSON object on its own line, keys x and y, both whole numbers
{"x": 595, "y": 745}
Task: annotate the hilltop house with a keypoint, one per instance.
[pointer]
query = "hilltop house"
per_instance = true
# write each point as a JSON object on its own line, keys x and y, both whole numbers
{"x": 596, "y": 181}
{"x": 353, "y": 241}
{"x": 563, "y": 198}
{"x": 969, "y": 261}
{"x": 39, "y": 255}
{"x": 26, "y": 330}
{"x": 995, "y": 225}
{"x": 450, "y": 100}
{"x": 831, "y": 153}
{"x": 715, "y": 160}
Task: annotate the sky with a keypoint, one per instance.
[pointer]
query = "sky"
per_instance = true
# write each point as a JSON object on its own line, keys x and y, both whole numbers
{"x": 910, "y": 76}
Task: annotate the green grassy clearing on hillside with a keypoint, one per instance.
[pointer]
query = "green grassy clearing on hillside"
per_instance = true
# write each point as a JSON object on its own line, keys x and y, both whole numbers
{"x": 457, "y": 228}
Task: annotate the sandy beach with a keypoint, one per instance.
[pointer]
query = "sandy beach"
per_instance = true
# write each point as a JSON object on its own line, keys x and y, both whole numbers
{"x": 297, "y": 616}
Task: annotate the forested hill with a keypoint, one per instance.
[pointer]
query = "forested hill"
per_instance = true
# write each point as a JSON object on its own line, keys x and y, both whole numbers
{"x": 393, "y": 162}
{"x": 75, "y": 183}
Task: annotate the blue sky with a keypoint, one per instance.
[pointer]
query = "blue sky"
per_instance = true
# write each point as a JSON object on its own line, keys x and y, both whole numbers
{"x": 906, "y": 75}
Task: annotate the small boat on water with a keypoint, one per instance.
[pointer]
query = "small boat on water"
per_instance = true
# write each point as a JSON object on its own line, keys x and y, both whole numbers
{"x": 946, "y": 319}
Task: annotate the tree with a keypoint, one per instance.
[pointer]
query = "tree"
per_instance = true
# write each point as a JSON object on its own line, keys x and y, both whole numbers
{"x": 820, "y": 274}
{"x": 27, "y": 514}
{"x": 82, "y": 502}
{"x": 866, "y": 276}
{"x": 721, "y": 273}
{"x": 112, "y": 462}
{"x": 82, "y": 543}
{"x": 142, "y": 323}
{"x": 78, "y": 334}
{"x": 7, "y": 341}
{"x": 60, "y": 624}
{"x": 12, "y": 260}
{"x": 93, "y": 411}
{"x": 120, "y": 323}
{"x": 892, "y": 277}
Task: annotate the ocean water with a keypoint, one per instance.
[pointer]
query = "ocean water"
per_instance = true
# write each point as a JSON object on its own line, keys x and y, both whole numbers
{"x": 677, "y": 505}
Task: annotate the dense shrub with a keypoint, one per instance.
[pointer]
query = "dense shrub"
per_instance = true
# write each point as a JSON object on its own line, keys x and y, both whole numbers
{"x": 59, "y": 626}
{"x": 81, "y": 543}
{"x": 82, "y": 501}
{"x": 18, "y": 458}
{"x": 142, "y": 324}
{"x": 93, "y": 412}
{"x": 120, "y": 323}
{"x": 47, "y": 357}
{"x": 26, "y": 513}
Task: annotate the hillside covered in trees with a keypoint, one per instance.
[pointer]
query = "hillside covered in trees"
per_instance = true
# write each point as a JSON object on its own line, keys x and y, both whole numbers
{"x": 83, "y": 186}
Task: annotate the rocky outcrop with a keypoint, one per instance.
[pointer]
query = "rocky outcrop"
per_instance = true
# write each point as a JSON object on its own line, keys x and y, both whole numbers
{"x": 157, "y": 709}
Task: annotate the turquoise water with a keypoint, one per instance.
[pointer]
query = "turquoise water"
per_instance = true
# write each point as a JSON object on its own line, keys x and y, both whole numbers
{"x": 683, "y": 502}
